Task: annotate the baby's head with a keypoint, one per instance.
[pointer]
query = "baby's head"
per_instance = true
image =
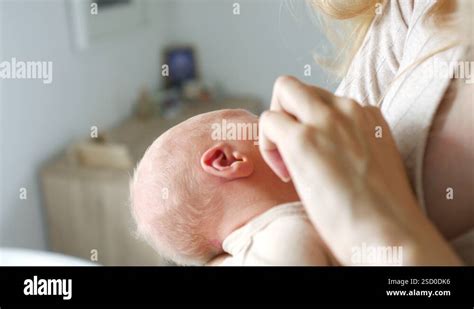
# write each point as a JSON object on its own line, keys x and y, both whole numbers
{"x": 200, "y": 181}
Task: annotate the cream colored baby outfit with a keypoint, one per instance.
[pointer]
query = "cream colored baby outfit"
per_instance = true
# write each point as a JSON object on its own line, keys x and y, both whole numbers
{"x": 282, "y": 236}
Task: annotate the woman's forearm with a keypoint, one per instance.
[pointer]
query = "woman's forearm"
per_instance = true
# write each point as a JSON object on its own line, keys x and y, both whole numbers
{"x": 428, "y": 248}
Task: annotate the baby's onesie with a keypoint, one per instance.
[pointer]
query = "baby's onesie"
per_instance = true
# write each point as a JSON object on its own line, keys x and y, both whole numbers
{"x": 282, "y": 236}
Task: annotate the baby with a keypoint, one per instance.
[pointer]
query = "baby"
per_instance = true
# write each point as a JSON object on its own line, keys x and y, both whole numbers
{"x": 198, "y": 194}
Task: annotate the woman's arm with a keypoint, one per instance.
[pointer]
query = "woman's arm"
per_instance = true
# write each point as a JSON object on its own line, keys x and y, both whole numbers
{"x": 347, "y": 170}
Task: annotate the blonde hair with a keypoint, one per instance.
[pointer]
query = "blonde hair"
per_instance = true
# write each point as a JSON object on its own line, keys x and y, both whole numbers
{"x": 345, "y": 24}
{"x": 445, "y": 15}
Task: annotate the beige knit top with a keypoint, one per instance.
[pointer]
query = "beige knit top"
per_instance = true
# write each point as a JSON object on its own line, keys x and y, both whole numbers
{"x": 397, "y": 39}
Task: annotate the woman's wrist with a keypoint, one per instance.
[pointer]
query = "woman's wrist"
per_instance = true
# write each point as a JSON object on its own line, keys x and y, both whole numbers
{"x": 408, "y": 233}
{"x": 416, "y": 254}
{"x": 426, "y": 247}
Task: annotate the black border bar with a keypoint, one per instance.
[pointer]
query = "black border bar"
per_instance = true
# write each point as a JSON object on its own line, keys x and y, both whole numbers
{"x": 208, "y": 285}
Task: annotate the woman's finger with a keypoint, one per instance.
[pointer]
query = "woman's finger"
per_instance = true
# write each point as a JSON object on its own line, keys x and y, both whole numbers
{"x": 306, "y": 103}
{"x": 275, "y": 131}
{"x": 300, "y": 103}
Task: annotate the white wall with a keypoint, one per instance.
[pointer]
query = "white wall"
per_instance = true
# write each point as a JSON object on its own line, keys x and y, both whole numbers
{"x": 247, "y": 52}
{"x": 95, "y": 87}
{"x": 242, "y": 53}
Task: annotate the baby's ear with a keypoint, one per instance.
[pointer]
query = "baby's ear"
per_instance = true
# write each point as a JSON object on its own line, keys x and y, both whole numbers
{"x": 223, "y": 160}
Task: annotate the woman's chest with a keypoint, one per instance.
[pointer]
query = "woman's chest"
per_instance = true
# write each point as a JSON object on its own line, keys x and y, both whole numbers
{"x": 448, "y": 169}
{"x": 431, "y": 121}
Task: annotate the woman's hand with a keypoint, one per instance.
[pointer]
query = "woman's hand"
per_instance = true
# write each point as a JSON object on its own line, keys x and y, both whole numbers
{"x": 349, "y": 174}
